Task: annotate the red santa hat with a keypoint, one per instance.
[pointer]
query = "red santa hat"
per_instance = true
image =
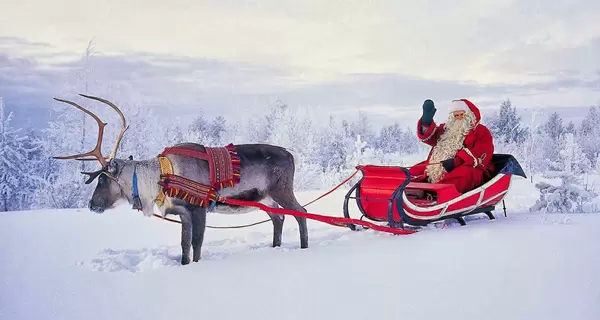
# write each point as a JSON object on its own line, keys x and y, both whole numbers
{"x": 465, "y": 105}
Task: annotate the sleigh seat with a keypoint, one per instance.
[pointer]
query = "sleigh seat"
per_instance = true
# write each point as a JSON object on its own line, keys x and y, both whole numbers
{"x": 426, "y": 193}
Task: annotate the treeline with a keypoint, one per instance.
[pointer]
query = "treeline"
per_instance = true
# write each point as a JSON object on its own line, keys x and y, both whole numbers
{"x": 324, "y": 150}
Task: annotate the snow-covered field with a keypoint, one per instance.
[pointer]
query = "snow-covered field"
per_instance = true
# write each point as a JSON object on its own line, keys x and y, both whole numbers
{"x": 74, "y": 264}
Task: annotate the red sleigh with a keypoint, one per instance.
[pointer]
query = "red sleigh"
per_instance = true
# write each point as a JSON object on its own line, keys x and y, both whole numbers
{"x": 385, "y": 193}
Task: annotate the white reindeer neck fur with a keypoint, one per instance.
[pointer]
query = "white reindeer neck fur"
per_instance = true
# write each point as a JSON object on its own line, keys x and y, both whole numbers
{"x": 148, "y": 175}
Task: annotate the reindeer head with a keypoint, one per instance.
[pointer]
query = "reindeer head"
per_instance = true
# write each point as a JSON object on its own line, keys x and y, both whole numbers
{"x": 108, "y": 190}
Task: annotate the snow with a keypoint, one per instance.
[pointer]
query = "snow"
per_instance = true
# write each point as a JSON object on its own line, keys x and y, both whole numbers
{"x": 74, "y": 264}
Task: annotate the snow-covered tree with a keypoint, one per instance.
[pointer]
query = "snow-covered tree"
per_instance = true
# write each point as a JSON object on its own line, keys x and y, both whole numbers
{"x": 573, "y": 158}
{"x": 217, "y": 129}
{"x": 569, "y": 167}
{"x": 506, "y": 126}
{"x": 364, "y": 128}
{"x": 197, "y": 131}
{"x": 333, "y": 146}
{"x": 564, "y": 198}
{"x": 544, "y": 146}
{"x": 393, "y": 139}
{"x": 588, "y": 134}
{"x": 531, "y": 150}
{"x": 148, "y": 133}
{"x": 209, "y": 133}
{"x": 554, "y": 127}
{"x": 570, "y": 128}
{"x": 63, "y": 186}
{"x": 356, "y": 156}
{"x": 16, "y": 169}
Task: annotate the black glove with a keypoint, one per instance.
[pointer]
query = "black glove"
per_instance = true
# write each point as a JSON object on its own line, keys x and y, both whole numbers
{"x": 448, "y": 164}
{"x": 428, "y": 112}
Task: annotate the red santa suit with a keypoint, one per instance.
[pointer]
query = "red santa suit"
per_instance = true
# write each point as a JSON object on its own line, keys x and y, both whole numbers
{"x": 466, "y": 141}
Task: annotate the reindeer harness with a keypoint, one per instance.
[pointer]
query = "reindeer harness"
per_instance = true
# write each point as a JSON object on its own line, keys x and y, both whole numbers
{"x": 224, "y": 171}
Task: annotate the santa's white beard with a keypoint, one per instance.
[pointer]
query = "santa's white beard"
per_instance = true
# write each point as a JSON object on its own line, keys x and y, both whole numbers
{"x": 448, "y": 144}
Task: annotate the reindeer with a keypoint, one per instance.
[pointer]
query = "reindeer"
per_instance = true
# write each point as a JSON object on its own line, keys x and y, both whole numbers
{"x": 266, "y": 176}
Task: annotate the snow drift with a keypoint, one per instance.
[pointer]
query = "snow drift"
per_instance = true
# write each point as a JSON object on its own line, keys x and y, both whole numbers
{"x": 73, "y": 264}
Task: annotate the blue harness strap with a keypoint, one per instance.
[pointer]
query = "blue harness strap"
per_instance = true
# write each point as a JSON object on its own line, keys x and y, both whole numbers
{"x": 135, "y": 186}
{"x": 137, "y": 202}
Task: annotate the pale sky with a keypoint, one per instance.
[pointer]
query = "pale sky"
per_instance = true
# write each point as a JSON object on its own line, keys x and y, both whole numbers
{"x": 332, "y": 55}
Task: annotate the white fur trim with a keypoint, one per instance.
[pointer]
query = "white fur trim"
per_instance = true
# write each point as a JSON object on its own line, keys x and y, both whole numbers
{"x": 431, "y": 135}
{"x": 475, "y": 160}
{"x": 458, "y": 105}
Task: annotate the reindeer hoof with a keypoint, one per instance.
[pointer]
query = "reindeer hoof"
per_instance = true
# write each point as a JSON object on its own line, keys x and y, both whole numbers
{"x": 185, "y": 260}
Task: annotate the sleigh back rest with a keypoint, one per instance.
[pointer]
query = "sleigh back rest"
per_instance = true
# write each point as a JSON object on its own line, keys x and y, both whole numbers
{"x": 506, "y": 164}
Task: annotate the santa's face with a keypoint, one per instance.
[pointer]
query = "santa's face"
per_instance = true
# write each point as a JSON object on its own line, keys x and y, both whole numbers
{"x": 459, "y": 122}
{"x": 458, "y": 115}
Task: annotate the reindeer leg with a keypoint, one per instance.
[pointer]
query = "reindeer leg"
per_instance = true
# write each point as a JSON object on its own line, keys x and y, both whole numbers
{"x": 287, "y": 200}
{"x": 199, "y": 226}
{"x": 277, "y": 220}
{"x": 303, "y": 229}
{"x": 186, "y": 232}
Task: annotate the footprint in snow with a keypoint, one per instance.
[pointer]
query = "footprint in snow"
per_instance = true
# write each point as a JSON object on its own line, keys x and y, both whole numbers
{"x": 147, "y": 259}
{"x": 134, "y": 260}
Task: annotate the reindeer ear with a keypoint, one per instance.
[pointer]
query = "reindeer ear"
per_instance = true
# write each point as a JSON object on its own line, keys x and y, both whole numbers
{"x": 113, "y": 167}
{"x": 130, "y": 157}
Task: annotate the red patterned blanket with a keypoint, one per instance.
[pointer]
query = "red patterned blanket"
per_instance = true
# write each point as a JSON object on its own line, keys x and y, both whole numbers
{"x": 224, "y": 171}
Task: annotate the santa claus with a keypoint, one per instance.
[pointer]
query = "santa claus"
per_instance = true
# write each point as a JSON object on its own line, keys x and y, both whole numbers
{"x": 462, "y": 147}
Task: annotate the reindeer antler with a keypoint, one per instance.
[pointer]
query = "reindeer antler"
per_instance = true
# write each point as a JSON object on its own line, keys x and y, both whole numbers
{"x": 97, "y": 151}
{"x": 124, "y": 123}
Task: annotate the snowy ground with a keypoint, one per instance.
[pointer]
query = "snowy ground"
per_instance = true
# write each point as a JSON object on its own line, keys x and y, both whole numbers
{"x": 73, "y": 264}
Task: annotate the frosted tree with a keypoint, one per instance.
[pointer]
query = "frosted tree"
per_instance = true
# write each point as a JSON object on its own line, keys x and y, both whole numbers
{"x": 333, "y": 146}
{"x": 571, "y": 164}
{"x": 506, "y": 126}
{"x": 71, "y": 132}
{"x": 37, "y": 165}
{"x": 588, "y": 134}
{"x": 233, "y": 132}
{"x": 554, "y": 127}
{"x": 209, "y": 133}
{"x": 357, "y": 155}
{"x": 3, "y": 163}
{"x": 564, "y": 198}
{"x": 217, "y": 129}
{"x": 573, "y": 158}
{"x": 16, "y": 180}
{"x": 364, "y": 128}
{"x": 511, "y": 134}
{"x": 570, "y": 128}
{"x": 294, "y": 129}
{"x": 148, "y": 133}
{"x": 390, "y": 138}
{"x": 257, "y": 129}
{"x": 552, "y": 145}
{"x": 531, "y": 152}
{"x": 393, "y": 139}
{"x": 63, "y": 186}
{"x": 197, "y": 130}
